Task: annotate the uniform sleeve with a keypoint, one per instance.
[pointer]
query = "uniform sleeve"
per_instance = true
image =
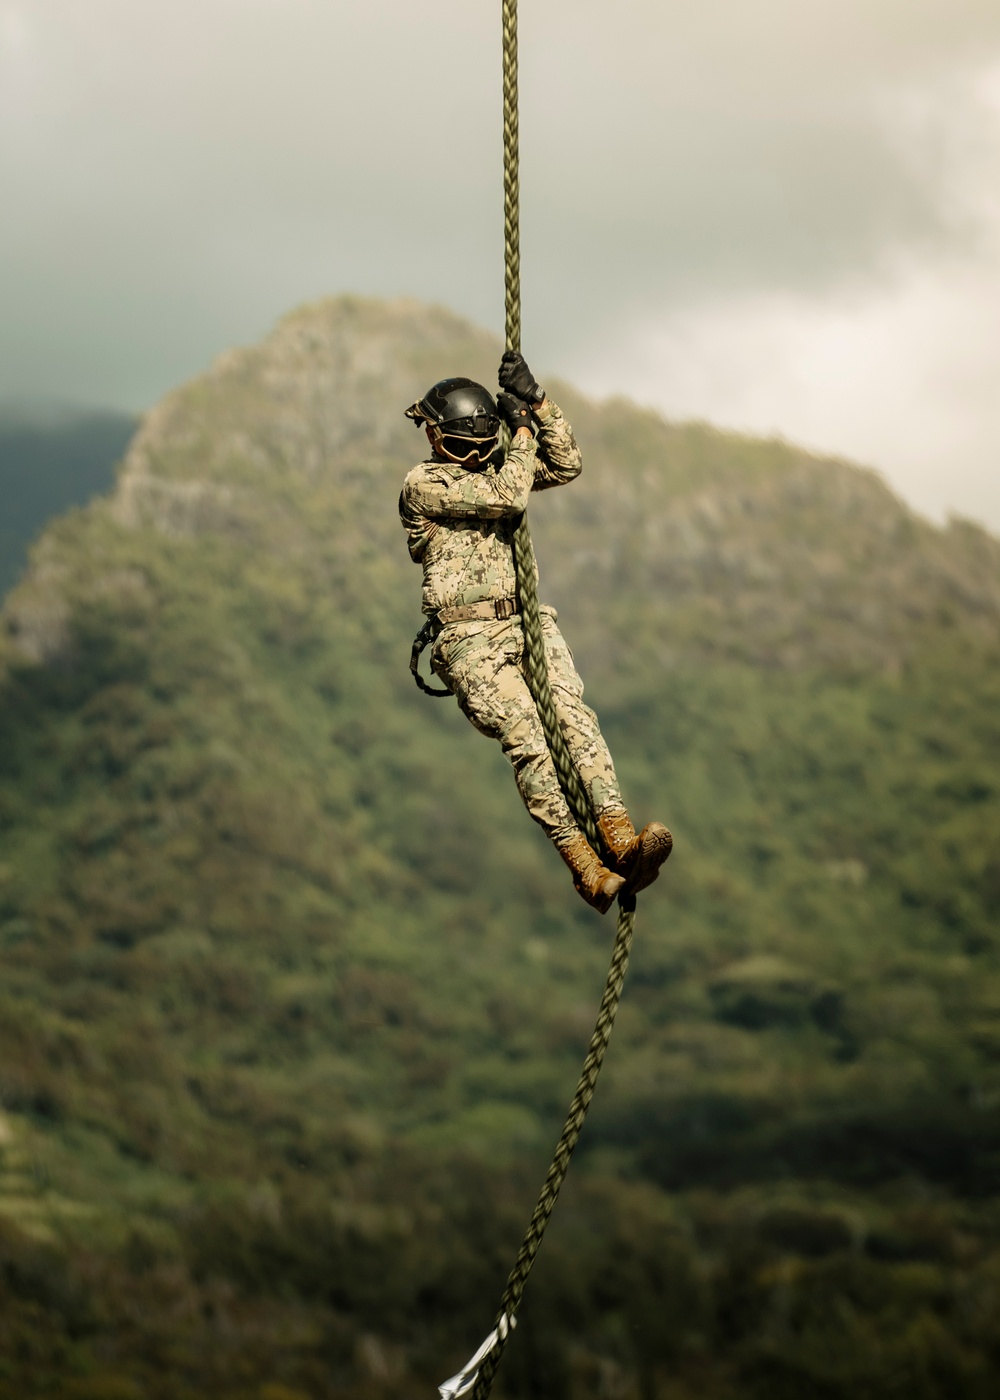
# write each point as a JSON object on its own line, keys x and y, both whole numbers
{"x": 559, "y": 459}
{"x": 472, "y": 495}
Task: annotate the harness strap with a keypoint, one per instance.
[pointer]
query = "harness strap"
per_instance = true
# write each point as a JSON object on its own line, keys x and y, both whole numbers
{"x": 424, "y": 638}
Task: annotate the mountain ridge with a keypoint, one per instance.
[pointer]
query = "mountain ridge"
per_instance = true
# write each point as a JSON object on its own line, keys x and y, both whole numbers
{"x": 912, "y": 566}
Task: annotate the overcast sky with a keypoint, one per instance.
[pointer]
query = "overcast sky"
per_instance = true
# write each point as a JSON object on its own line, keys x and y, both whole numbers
{"x": 782, "y": 215}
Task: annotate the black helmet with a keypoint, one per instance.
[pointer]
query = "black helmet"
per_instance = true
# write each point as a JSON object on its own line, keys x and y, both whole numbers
{"x": 463, "y": 419}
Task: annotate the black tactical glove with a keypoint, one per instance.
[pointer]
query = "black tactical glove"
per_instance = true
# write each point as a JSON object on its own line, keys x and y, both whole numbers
{"x": 516, "y": 377}
{"x": 515, "y": 413}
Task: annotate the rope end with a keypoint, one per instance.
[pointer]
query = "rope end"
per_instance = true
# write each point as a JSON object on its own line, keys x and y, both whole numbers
{"x": 464, "y": 1380}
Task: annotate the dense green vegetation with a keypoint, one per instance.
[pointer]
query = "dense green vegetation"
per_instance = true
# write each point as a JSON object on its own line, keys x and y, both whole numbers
{"x": 50, "y": 461}
{"x": 293, "y": 994}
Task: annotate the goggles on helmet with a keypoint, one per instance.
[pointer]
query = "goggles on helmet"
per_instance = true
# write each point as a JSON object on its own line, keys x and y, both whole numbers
{"x": 461, "y": 448}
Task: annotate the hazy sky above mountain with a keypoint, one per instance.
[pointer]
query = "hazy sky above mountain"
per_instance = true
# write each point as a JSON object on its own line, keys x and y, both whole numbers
{"x": 782, "y": 215}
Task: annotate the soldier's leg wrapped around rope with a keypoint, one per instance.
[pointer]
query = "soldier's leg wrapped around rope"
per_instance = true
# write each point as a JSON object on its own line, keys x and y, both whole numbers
{"x": 481, "y": 662}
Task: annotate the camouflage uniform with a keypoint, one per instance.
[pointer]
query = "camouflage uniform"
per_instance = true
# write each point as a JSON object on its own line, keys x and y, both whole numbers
{"x": 460, "y": 526}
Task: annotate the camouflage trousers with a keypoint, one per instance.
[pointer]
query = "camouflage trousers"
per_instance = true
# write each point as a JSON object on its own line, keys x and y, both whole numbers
{"x": 481, "y": 662}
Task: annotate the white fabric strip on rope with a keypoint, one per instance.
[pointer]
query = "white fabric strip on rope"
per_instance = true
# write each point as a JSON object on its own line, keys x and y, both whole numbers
{"x": 463, "y": 1381}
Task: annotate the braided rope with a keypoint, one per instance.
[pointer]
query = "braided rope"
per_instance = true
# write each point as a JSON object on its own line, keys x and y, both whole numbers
{"x": 511, "y": 179}
{"x": 524, "y": 554}
{"x": 483, "y": 1378}
{"x": 537, "y": 672}
{"x": 477, "y": 1375}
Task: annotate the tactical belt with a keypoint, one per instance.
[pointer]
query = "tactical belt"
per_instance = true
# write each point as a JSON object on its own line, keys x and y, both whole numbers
{"x": 490, "y": 610}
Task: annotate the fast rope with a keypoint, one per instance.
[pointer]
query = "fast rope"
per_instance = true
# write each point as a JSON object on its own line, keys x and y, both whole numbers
{"x": 478, "y": 1373}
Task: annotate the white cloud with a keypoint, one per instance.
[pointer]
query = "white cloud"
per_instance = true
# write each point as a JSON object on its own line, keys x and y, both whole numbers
{"x": 899, "y": 368}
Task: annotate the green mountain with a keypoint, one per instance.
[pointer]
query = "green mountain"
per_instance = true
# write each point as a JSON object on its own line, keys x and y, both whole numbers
{"x": 294, "y": 994}
{"x": 50, "y": 460}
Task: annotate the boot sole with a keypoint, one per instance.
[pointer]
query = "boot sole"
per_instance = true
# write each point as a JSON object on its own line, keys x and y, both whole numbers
{"x": 655, "y": 845}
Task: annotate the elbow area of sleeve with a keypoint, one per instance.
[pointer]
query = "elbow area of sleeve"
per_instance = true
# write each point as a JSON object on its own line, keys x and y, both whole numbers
{"x": 519, "y": 474}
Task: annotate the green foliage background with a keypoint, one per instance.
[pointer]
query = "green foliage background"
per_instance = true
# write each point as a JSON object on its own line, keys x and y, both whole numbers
{"x": 294, "y": 995}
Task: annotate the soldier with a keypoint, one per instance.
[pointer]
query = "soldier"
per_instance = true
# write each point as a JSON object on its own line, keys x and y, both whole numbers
{"x": 460, "y": 509}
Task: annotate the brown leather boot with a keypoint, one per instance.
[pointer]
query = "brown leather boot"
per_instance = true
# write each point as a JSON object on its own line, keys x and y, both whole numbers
{"x": 594, "y": 882}
{"x": 637, "y": 858}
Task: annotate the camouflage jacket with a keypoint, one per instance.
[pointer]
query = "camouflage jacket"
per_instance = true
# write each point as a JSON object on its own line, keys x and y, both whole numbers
{"x": 460, "y": 524}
